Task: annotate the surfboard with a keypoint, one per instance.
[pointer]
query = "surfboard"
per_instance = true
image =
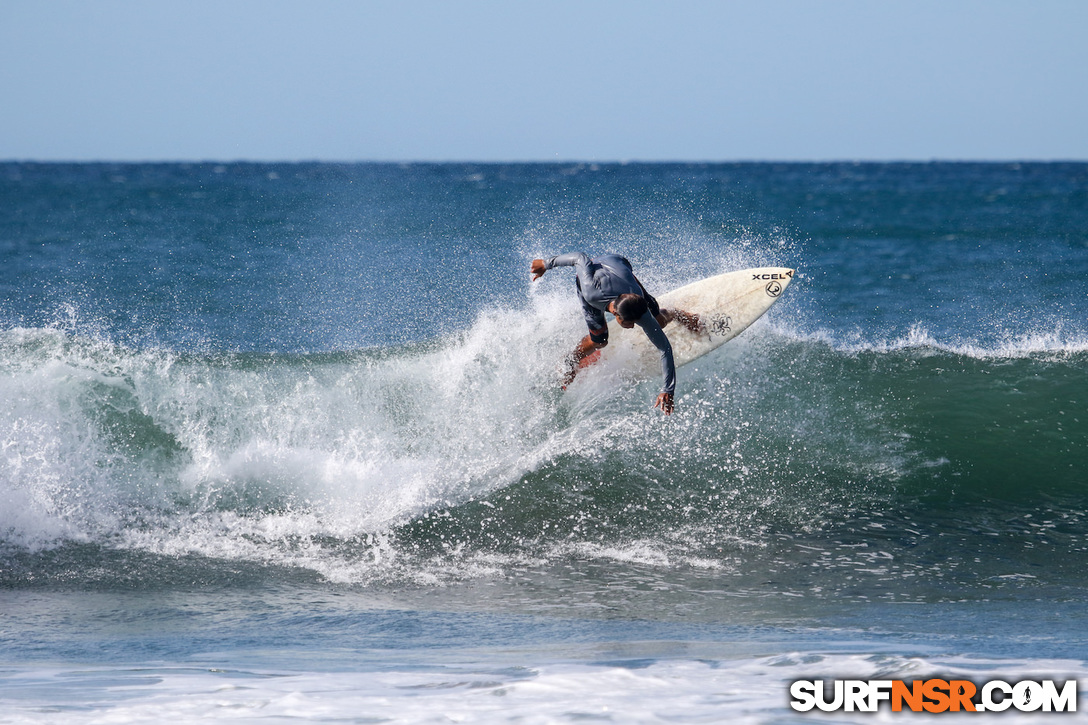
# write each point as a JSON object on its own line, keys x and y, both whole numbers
{"x": 726, "y": 305}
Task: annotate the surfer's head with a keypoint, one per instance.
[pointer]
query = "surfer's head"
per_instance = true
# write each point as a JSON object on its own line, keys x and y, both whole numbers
{"x": 628, "y": 309}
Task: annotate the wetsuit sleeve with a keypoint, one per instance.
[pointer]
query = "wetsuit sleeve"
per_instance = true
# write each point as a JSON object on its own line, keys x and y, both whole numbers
{"x": 595, "y": 319}
{"x": 570, "y": 259}
{"x": 661, "y": 342}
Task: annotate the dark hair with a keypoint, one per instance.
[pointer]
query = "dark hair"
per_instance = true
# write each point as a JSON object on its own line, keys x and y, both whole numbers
{"x": 630, "y": 307}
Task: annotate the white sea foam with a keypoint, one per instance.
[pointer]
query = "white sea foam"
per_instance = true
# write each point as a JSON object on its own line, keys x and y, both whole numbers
{"x": 221, "y": 456}
{"x": 741, "y": 690}
{"x": 1032, "y": 343}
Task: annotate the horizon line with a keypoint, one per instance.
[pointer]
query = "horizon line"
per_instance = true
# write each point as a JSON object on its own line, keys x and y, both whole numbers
{"x": 527, "y": 162}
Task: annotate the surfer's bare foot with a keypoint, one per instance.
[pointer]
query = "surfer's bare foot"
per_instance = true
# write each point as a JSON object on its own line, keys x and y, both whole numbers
{"x": 585, "y": 349}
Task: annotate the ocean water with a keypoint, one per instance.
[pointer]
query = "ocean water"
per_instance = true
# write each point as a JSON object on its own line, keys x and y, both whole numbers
{"x": 285, "y": 442}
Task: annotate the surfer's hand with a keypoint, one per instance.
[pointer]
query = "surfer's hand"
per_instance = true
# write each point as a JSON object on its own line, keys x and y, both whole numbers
{"x": 538, "y": 269}
{"x": 664, "y": 401}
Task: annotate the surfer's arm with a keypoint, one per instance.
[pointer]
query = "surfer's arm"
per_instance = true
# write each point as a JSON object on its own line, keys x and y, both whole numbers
{"x": 570, "y": 259}
{"x": 668, "y": 366}
{"x": 587, "y": 284}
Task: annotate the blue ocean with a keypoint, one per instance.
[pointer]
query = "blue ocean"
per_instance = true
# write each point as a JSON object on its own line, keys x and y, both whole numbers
{"x": 286, "y": 443}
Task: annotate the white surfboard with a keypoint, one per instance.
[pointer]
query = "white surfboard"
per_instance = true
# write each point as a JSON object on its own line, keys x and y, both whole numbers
{"x": 726, "y": 305}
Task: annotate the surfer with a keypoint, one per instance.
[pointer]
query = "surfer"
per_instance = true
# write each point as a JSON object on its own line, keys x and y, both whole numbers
{"x": 608, "y": 284}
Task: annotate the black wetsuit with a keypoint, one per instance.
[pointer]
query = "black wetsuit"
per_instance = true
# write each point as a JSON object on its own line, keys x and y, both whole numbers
{"x": 601, "y": 280}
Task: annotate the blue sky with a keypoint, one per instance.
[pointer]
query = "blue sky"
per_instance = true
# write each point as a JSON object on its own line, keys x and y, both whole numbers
{"x": 408, "y": 80}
